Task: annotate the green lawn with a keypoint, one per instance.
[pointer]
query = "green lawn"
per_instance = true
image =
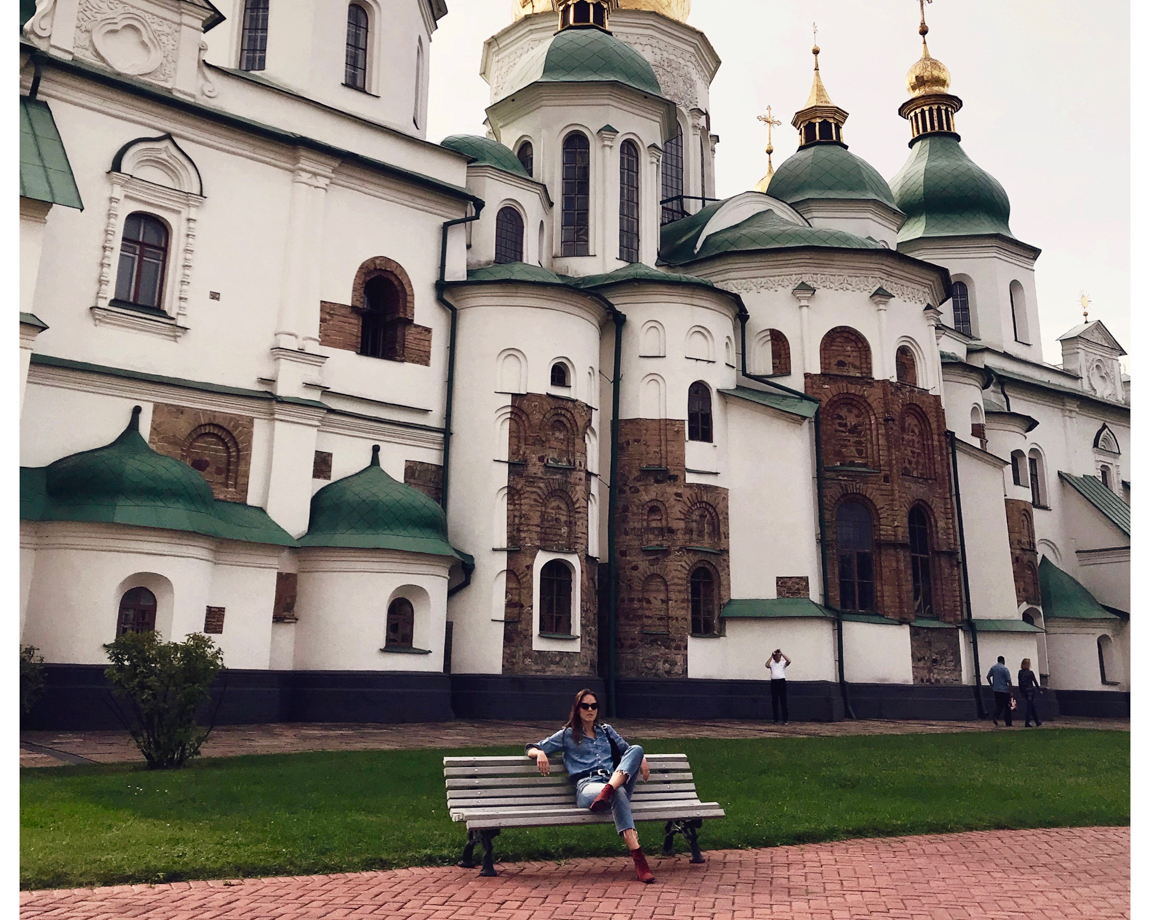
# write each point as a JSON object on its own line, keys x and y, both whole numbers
{"x": 295, "y": 814}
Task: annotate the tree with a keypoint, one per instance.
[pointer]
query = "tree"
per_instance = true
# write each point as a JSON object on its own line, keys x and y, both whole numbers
{"x": 164, "y": 683}
{"x": 31, "y": 676}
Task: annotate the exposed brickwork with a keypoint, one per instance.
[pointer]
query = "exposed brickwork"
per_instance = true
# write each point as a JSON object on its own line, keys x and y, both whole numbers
{"x": 906, "y": 371}
{"x": 381, "y": 265}
{"x": 417, "y": 345}
{"x": 1023, "y": 551}
{"x": 214, "y": 621}
{"x": 665, "y": 528}
{"x": 216, "y": 444}
{"x": 339, "y": 326}
{"x": 934, "y": 656}
{"x": 427, "y": 477}
{"x": 547, "y": 492}
{"x": 896, "y": 437}
{"x": 792, "y": 586}
{"x": 321, "y": 465}
{"x": 283, "y": 609}
{"x": 844, "y": 351}
{"x": 780, "y": 353}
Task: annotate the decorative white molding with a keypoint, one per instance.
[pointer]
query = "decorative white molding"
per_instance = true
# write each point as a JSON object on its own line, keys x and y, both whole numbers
{"x": 127, "y": 40}
{"x": 137, "y": 321}
{"x": 863, "y": 284}
{"x": 324, "y": 560}
{"x": 39, "y": 26}
{"x": 206, "y": 86}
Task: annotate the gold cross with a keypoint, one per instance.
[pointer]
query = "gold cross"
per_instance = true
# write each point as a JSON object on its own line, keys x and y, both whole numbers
{"x": 815, "y": 25}
{"x": 1085, "y": 301}
{"x": 771, "y": 122}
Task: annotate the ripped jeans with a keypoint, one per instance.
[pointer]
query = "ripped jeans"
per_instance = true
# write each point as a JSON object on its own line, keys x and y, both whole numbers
{"x": 590, "y": 786}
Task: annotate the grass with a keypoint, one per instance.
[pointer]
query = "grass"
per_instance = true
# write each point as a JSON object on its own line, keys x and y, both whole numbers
{"x": 296, "y": 814}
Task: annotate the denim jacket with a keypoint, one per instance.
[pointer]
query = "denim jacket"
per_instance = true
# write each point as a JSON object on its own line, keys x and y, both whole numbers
{"x": 591, "y": 754}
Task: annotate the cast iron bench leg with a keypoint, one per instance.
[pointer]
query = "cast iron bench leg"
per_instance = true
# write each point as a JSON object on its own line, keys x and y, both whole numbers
{"x": 689, "y": 829}
{"x": 468, "y": 861}
{"x": 488, "y": 870}
{"x": 691, "y": 832}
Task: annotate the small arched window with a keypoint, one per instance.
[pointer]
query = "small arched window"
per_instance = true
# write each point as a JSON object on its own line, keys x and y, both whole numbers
{"x": 1105, "y": 471}
{"x": 672, "y": 178}
{"x": 143, "y": 258}
{"x": 355, "y": 55}
{"x": 699, "y": 422}
{"x": 383, "y": 325}
{"x": 977, "y": 424}
{"x": 137, "y": 612}
{"x": 920, "y": 563}
{"x": 400, "y": 624}
{"x": 1037, "y": 480}
{"x": 1107, "y": 662}
{"x": 629, "y": 202}
{"x": 560, "y": 375}
{"x": 555, "y": 598}
{"x": 254, "y": 37}
{"x": 419, "y": 81}
{"x": 526, "y": 154}
{"x": 960, "y": 307}
{"x": 906, "y": 371}
{"x": 703, "y": 602}
{"x": 855, "y": 538}
{"x": 1018, "y": 313}
{"x": 576, "y": 195}
{"x": 845, "y": 351}
{"x": 508, "y": 236}
{"x": 1018, "y": 470}
{"x": 780, "y": 354}
{"x": 212, "y": 451}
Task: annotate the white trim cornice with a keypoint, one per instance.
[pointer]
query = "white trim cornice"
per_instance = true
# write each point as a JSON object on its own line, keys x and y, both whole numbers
{"x": 322, "y": 560}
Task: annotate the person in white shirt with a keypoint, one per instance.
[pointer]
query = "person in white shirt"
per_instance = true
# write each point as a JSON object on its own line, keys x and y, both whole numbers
{"x": 777, "y": 664}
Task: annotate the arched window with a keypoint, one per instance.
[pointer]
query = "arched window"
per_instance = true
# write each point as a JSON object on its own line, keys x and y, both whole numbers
{"x": 653, "y": 532}
{"x": 673, "y": 178}
{"x": 555, "y": 598}
{"x": 508, "y": 236}
{"x": 143, "y": 257}
{"x": 855, "y": 539}
{"x": 576, "y": 195}
{"x": 699, "y": 427}
{"x": 355, "y": 55}
{"x": 384, "y": 327}
{"x": 977, "y": 424}
{"x": 526, "y": 154}
{"x": 1018, "y": 313}
{"x": 703, "y": 602}
{"x": 1107, "y": 662}
{"x": 906, "y": 371}
{"x": 212, "y": 451}
{"x": 1018, "y": 470}
{"x": 560, "y": 375}
{"x": 254, "y": 36}
{"x": 629, "y": 202}
{"x": 703, "y": 525}
{"x": 137, "y": 612}
{"x": 920, "y": 563}
{"x": 780, "y": 354}
{"x": 400, "y": 624}
{"x": 846, "y": 352}
{"x": 960, "y": 307}
{"x": 1037, "y": 480}
{"x": 419, "y": 80}
{"x": 1105, "y": 471}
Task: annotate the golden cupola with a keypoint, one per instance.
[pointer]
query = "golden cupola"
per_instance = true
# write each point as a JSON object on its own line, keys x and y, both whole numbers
{"x": 820, "y": 120}
{"x": 673, "y": 9}
{"x": 931, "y": 107}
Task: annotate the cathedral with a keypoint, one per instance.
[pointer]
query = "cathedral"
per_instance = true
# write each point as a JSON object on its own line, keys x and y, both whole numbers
{"x": 422, "y": 430}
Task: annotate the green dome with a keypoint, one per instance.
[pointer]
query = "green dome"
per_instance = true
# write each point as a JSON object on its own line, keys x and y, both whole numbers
{"x": 485, "y": 152}
{"x": 587, "y": 55}
{"x": 944, "y": 193}
{"x": 828, "y": 171}
{"x": 370, "y": 510}
{"x": 514, "y": 271}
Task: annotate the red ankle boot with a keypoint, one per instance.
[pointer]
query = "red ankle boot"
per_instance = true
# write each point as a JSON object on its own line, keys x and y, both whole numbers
{"x": 603, "y": 799}
{"x": 642, "y": 870}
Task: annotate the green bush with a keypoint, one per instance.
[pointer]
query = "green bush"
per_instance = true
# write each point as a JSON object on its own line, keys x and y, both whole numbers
{"x": 164, "y": 683}
{"x": 31, "y": 676}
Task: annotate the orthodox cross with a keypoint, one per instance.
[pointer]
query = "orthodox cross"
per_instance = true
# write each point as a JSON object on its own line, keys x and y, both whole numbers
{"x": 771, "y": 122}
{"x": 1085, "y": 301}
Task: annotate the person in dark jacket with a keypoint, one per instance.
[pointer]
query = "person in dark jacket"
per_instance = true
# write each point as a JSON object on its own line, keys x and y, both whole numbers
{"x": 999, "y": 679}
{"x": 1028, "y": 686}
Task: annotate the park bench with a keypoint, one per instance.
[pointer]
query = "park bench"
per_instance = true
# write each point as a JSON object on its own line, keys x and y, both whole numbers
{"x": 491, "y": 793}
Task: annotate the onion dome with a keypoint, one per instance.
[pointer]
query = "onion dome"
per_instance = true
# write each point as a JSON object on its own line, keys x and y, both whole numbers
{"x": 821, "y": 171}
{"x": 485, "y": 152}
{"x": 927, "y": 75}
{"x": 370, "y": 510}
{"x": 586, "y": 55}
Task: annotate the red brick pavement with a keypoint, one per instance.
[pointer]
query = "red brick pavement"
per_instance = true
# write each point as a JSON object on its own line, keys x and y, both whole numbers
{"x": 1081, "y": 873}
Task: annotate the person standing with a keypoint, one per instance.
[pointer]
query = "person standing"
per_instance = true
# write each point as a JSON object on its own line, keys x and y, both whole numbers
{"x": 1028, "y": 686}
{"x": 999, "y": 679}
{"x": 777, "y": 665}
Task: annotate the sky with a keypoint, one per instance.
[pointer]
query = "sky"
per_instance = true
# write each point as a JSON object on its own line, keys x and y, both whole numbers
{"x": 1045, "y": 86}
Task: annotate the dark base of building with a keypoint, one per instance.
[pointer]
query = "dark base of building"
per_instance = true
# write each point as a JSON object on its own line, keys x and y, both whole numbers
{"x": 77, "y": 697}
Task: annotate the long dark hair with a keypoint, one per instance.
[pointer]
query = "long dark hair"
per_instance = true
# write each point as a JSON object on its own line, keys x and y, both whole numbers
{"x": 575, "y": 720}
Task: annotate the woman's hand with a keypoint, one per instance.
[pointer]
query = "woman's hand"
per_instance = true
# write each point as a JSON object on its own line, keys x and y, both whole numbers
{"x": 541, "y": 761}
{"x": 645, "y": 770}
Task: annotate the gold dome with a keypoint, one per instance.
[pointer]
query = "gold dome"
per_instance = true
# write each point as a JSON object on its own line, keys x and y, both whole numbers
{"x": 673, "y": 9}
{"x": 927, "y": 76}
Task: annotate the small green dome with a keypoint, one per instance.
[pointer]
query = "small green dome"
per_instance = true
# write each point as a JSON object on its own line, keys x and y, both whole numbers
{"x": 370, "y": 510}
{"x": 587, "y": 55}
{"x": 945, "y": 193}
{"x": 828, "y": 171}
{"x": 485, "y": 152}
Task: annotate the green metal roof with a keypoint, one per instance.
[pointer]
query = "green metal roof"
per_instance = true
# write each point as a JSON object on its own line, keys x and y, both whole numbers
{"x": 485, "y": 152}
{"x": 1113, "y": 508}
{"x": 638, "y": 271}
{"x": 126, "y": 482}
{"x": 804, "y": 407}
{"x": 45, "y": 173}
{"x": 944, "y": 193}
{"x": 587, "y": 55}
{"x": 370, "y": 510}
{"x": 828, "y": 171}
{"x": 1019, "y": 626}
{"x": 1064, "y": 597}
{"x": 27, "y": 9}
{"x": 762, "y": 608}
{"x": 514, "y": 271}
{"x": 31, "y": 319}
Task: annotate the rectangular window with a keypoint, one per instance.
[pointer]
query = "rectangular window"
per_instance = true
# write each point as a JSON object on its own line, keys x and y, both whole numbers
{"x": 254, "y": 41}
{"x": 1035, "y": 492}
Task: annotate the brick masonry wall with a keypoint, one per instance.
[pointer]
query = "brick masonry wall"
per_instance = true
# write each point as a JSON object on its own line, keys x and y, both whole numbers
{"x": 427, "y": 477}
{"x": 547, "y": 483}
{"x": 339, "y": 326}
{"x": 1023, "y": 551}
{"x": 417, "y": 346}
{"x": 884, "y": 443}
{"x": 792, "y": 586}
{"x": 217, "y": 444}
{"x": 665, "y": 527}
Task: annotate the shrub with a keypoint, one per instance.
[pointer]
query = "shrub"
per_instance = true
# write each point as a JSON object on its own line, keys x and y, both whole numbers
{"x": 31, "y": 676}
{"x": 164, "y": 683}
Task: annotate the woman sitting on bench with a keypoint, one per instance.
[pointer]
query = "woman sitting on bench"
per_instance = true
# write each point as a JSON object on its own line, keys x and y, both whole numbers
{"x": 602, "y": 766}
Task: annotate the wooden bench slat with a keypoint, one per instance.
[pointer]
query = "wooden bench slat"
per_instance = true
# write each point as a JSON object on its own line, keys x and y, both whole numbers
{"x": 652, "y": 759}
{"x": 483, "y": 782}
{"x": 528, "y": 806}
{"x": 582, "y": 816}
{"x": 551, "y": 812}
{"x": 478, "y": 795}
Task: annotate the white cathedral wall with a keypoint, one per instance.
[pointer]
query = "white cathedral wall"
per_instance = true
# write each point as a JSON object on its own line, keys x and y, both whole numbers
{"x": 876, "y": 653}
{"x": 244, "y": 584}
{"x": 741, "y": 653}
{"x": 1011, "y": 646}
{"x": 499, "y": 190}
{"x": 987, "y": 540}
{"x": 59, "y": 421}
{"x": 1072, "y": 646}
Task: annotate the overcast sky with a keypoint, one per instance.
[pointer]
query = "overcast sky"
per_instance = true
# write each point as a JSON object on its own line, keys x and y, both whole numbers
{"x": 1045, "y": 86}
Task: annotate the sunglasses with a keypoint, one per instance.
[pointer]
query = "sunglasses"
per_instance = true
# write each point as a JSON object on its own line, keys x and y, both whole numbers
{"x": 588, "y": 705}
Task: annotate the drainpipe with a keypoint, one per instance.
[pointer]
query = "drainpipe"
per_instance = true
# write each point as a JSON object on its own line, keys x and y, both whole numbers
{"x": 966, "y": 576}
{"x": 743, "y": 317}
{"x": 612, "y": 508}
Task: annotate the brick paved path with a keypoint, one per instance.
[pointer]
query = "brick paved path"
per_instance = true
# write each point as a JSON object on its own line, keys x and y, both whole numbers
{"x": 993, "y": 875}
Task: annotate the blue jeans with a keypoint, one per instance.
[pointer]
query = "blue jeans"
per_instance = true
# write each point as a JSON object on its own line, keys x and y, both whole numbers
{"x": 591, "y": 786}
